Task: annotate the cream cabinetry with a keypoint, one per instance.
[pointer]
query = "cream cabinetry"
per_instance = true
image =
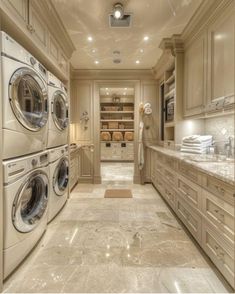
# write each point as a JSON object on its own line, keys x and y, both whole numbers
{"x": 74, "y": 168}
{"x": 203, "y": 203}
{"x": 194, "y": 77}
{"x": 123, "y": 151}
{"x": 18, "y": 8}
{"x": 221, "y": 57}
{"x": 36, "y": 26}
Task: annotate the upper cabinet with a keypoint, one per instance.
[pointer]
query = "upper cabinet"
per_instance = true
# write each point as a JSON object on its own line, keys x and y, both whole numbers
{"x": 37, "y": 25}
{"x": 221, "y": 57}
{"x": 194, "y": 77}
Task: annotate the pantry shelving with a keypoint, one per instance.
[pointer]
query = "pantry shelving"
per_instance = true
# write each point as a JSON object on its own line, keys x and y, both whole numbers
{"x": 117, "y": 127}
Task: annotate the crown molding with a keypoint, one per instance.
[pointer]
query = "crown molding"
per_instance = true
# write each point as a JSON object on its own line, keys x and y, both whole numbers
{"x": 208, "y": 11}
{"x": 111, "y": 74}
{"x": 55, "y": 25}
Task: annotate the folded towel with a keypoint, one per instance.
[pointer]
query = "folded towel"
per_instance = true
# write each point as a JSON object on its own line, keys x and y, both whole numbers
{"x": 197, "y": 139}
{"x": 193, "y": 148}
{"x": 203, "y": 144}
{"x": 192, "y": 151}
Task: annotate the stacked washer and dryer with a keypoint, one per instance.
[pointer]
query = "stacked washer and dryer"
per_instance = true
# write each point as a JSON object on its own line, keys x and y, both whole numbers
{"x": 35, "y": 150}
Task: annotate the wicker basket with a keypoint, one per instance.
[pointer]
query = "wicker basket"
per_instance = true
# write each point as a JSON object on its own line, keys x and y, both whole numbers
{"x": 129, "y": 136}
{"x": 105, "y": 136}
{"x": 117, "y": 136}
{"x": 113, "y": 125}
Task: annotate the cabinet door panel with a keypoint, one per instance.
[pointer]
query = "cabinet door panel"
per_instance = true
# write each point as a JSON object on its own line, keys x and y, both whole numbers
{"x": 38, "y": 28}
{"x": 194, "y": 91}
{"x": 18, "y": 8}
{"x": 221, "y": 57}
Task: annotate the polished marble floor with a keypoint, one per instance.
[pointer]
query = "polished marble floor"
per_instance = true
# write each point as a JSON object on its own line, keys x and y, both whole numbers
{"x": 98, "y": 244}
{"x": 117, "y": 171}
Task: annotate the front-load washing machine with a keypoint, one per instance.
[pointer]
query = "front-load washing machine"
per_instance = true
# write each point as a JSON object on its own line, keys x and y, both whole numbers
{"x": 59, "y": 179}
{"x": 58, "y": 113}
{"x": 26, "y": 188}
{"x": 24, "y": 94}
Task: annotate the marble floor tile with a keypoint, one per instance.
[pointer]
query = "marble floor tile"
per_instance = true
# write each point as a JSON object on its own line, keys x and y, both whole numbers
{"x": 116, "y": 245}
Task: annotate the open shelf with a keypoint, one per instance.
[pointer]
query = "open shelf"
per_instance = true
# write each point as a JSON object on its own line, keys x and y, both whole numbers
{"x": 116, "y": 112}
{"x": 121, "y": 120}
{"x": 117, "y": 130}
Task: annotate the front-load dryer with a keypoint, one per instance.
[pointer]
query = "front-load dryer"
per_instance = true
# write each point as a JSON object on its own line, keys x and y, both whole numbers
{"x": 59, "y": 179}
{"x": 58, "y": 113}
{"x": 24, "y": 95}
{"x": 26, "y": 188}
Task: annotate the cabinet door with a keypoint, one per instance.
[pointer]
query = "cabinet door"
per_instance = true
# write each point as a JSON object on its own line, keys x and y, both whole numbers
{"x": 37, "y": 27}
{"x": 85, "y": 165}
{"x": 194, "y": 89}
{"x": 221, "y": 57}
{"x": 18, "y": 8}
{"x": 54, "y": 49}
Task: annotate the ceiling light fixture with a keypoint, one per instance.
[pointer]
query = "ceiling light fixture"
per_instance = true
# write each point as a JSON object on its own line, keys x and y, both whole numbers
{"x": 90, "y": 39}
{"x": 137, "y": 62}
{"x": 146, "y": 38}
{"x": 141, "y": 50}
{"x": 97, "y": 62}
{"x": 118, "y": 11}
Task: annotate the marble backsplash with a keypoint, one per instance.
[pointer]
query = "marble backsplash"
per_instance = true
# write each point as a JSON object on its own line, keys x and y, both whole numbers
{"x": 221, "y": 128}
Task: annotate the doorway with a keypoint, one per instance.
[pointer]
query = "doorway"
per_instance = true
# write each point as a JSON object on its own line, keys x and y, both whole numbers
{"x": 117, "y": 132}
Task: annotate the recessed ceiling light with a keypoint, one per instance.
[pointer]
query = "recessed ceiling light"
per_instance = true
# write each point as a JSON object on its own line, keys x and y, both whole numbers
{"x": 90, "y": 39}
{"x": 125, "y": 89}
{"x": 107, "y": 93}
{"x": 146, "y": 38}
{"x": 97, "y": 62}
{"x": 106, "y": 89}
{"x": 137, "y": 62}
{"x": 124, "y": 93}
{"x": 141, "y": 50}
{"x": 93, "y": 51}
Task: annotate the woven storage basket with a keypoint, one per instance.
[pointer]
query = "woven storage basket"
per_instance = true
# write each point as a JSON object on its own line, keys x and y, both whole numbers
{"x": 105, "y": 136}
{"x": 117, "y": 136}
{"x": 113, "y": 125}
{"x": 129, "y": 136}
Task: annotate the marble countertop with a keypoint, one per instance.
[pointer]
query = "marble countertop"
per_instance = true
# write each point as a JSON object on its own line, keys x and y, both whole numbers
{"x": 223, "y": 170}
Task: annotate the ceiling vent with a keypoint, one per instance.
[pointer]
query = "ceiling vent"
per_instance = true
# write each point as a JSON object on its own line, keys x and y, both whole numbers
{"x": 124, "y": 22}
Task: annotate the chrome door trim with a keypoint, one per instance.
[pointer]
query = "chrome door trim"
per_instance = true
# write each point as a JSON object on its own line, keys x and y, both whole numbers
{"x": 66, "y": 105}
{"x": 17, "y": 220}
{"x": 57, "y": 190}
{"x": 42, "y": 89}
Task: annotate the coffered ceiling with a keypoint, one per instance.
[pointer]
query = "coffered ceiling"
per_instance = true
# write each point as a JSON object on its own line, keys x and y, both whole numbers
{"x": 87, "y": 22}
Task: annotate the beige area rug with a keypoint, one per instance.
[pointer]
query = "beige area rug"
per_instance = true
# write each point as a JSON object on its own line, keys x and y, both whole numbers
{"x": 118, "y": 193}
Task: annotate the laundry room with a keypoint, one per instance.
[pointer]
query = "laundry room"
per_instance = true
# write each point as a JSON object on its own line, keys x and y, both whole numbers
{"x": 117, "y": 127}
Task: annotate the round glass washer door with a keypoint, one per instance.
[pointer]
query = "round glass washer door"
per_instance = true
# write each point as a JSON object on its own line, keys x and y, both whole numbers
{"x": 61, "y": 176}
{"x": 60, "y": 110}
{"x": 30, "y": 202}
{"x": 28, "y": 99}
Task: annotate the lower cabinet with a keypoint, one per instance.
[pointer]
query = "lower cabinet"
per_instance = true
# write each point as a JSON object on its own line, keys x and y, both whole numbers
{"x": 74, "y": 169}
{"x": 219, "y": 251}
{"x": 203, "y": 203}
{"x": 117, "y": 151}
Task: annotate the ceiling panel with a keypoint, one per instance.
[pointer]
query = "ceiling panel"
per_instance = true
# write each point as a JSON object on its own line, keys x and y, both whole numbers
{"x": 153, "y": 18}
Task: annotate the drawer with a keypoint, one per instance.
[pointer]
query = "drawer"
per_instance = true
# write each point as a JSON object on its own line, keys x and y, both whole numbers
{"x": 220, "y": 213}
{"x": 189, "y": 172}
{"x": 189, "y": 217}
{"x": 170, "y": 196}
{"x": 169, "y": 177}
{"x": 219, "y": 252}
{"x": 170, "y": 162}
{"x": 219, "y": 188}
{"x": 160, "y": 157}
{"x": 189, "y": 191}
{"x": 159, "y": 183}
{"x": 159, "y": 168}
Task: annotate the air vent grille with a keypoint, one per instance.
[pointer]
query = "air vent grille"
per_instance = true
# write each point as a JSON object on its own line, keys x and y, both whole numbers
{"x": 124, "y": 22}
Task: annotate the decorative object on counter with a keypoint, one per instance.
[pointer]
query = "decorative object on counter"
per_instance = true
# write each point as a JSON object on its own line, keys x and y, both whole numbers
{"x": 196, "y": 144}
{"x": 84, "y": 119}
{"x": 105, "y": 136}
{"x": 129, "y": 136}
{"x": 117, "y": 136}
